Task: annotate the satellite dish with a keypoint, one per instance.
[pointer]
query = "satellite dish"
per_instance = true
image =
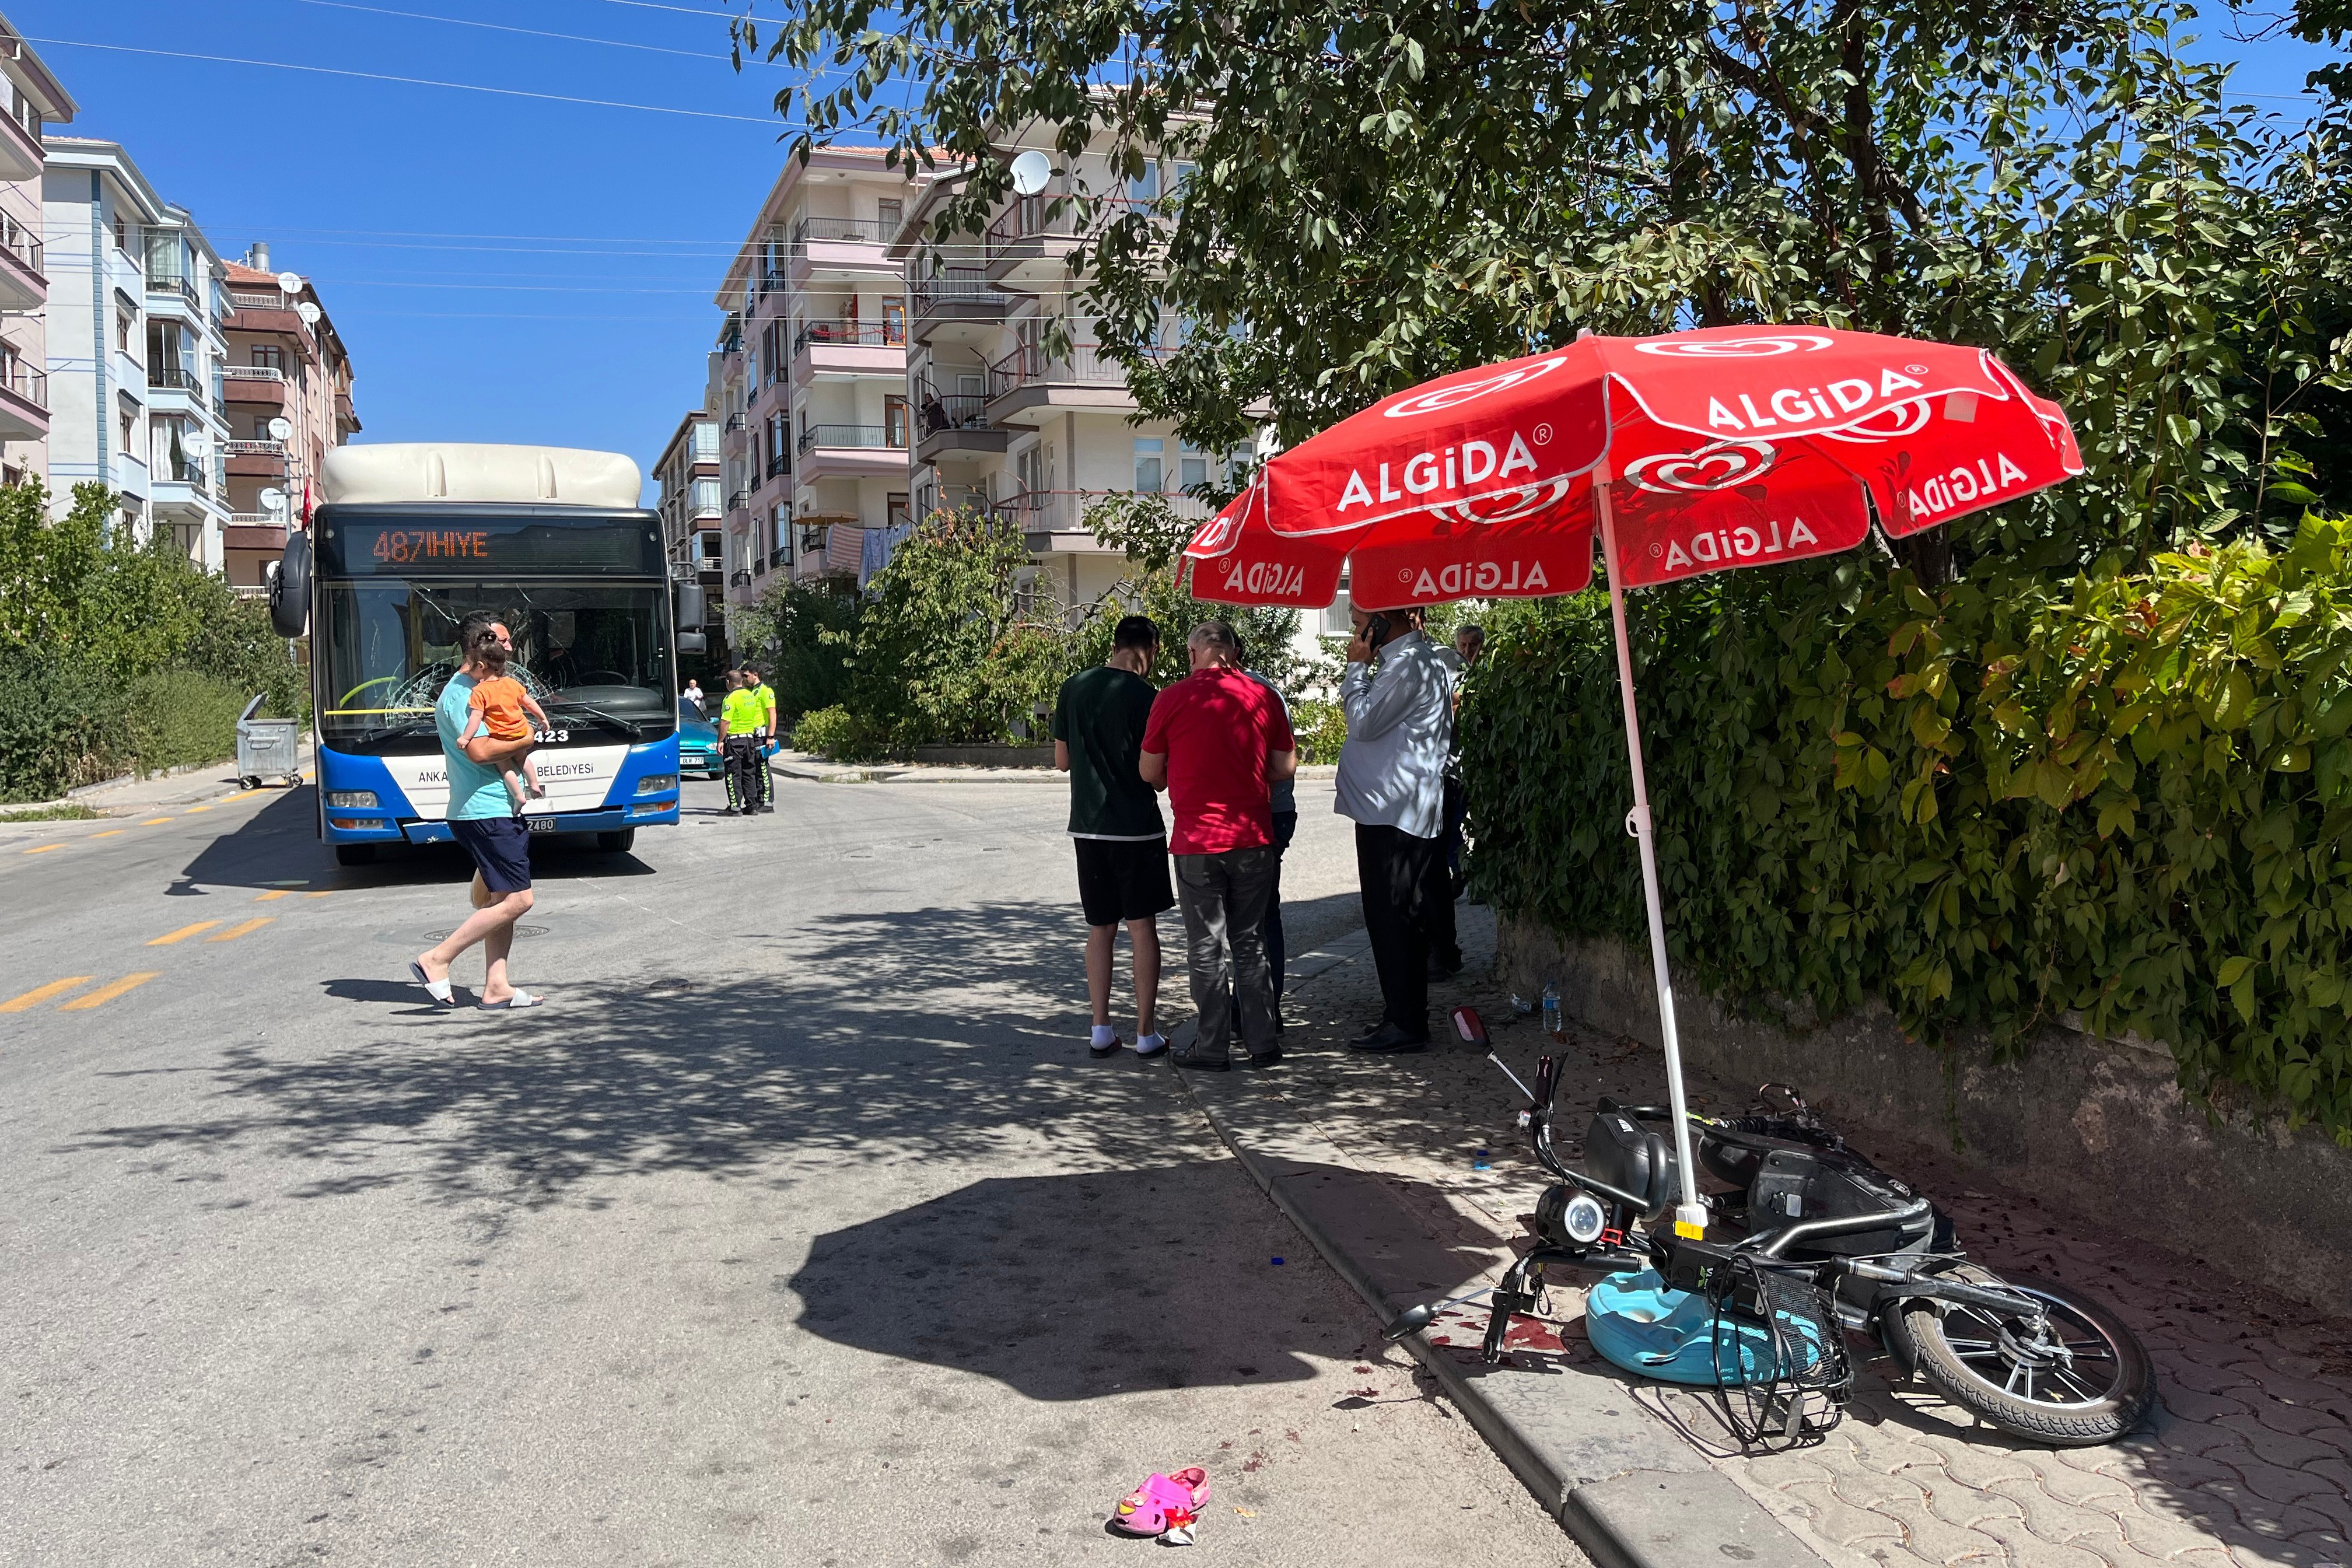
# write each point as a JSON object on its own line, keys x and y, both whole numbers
{"x": 273, "y": 500}
{"x": 309, "y": 312}
{"x": 289, "y": 283}
{"x": 1031, "y": 170}
{"x": 196, "y": 443}
{"x": 281, "y": 428}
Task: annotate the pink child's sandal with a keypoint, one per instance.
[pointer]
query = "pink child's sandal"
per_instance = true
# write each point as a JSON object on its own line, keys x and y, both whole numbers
{"x": 1162, "y": 1502}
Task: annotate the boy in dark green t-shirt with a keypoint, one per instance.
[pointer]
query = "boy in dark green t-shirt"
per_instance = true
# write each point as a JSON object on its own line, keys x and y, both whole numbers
{"x": 1122, "y": 843}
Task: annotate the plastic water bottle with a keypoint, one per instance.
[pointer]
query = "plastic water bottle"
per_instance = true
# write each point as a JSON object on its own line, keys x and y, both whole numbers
{"x": 1552, "y": 1019}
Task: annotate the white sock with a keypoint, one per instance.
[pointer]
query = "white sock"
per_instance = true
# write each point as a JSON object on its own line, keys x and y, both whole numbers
{"x": 1104, "y": 1036}
{"x": 1145, "y": 1045}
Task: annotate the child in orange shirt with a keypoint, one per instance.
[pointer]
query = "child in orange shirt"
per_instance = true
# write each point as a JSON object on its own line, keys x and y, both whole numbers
{"x": 504, "y": 712}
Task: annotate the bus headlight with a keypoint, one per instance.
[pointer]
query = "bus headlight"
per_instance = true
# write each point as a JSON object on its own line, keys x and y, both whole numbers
{"x": 351, "y": 799}
{"x": 653, "y": 783}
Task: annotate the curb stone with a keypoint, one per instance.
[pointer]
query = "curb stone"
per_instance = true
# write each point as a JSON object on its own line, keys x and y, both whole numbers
{"x": 1623, "y": 1487}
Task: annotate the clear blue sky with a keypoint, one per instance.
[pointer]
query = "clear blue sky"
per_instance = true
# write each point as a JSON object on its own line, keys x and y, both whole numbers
{"x": 503, "y": 268}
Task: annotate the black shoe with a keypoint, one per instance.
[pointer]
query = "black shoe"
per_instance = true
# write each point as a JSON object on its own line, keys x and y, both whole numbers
{"x": 730, "y": 811}
{"x": 1390, "y": 1039}
{"x": 1098, "y": 1052}
{"x": 766, "y": 806}
{"x": 1200, "y": 1063}
{"x": 1266, "y": 1058}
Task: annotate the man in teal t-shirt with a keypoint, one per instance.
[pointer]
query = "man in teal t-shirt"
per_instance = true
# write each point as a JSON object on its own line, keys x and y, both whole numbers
{"x": 482, "y": 819}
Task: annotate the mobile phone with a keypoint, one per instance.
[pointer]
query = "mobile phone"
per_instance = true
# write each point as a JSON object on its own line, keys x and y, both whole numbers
{"x": 1376, "y": 632}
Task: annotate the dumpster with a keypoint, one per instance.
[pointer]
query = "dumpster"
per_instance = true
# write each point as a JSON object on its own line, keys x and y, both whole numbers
{"x": 265, "y": 748}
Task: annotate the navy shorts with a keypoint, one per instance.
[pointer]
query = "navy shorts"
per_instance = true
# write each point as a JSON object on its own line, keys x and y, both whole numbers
{"x": 501, "y": 846}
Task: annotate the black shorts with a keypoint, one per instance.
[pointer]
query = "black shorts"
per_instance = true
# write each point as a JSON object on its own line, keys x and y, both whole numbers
{"x": 1123, "y": 880}
{"x": 501, "y": 846}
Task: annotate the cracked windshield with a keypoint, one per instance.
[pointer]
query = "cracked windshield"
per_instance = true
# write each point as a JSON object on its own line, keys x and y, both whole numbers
{"x": 589, "y": 654}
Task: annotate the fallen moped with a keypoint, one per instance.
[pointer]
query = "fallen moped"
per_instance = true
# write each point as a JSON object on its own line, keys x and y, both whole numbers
{"x": 1807, "y": 1241}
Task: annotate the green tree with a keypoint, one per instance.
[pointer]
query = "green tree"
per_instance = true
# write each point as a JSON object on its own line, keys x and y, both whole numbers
{"x": 1145, "y": 529}
{"x": 803, "y": 630}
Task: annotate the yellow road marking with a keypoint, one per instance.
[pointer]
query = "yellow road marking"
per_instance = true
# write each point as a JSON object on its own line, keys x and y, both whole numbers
{"x": 182, "y": 934}
{"x": 111, "y": 833}
{"x": 40, "y": 993}
{"x": 105, "y": 993}
{"x": 154, "y": 821}
{"x": 237, "y": 931}
{"x": 194, "y": 809}
{"x": 243, "y": 794}
{"x": 319, "y": 895}
{"x": 45, "y": 850}
{"x": 274, "y": 893}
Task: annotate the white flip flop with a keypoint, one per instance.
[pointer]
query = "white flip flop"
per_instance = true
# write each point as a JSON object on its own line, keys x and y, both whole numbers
{"x": 520, "y": 999}
{"x": 437, "y": 989}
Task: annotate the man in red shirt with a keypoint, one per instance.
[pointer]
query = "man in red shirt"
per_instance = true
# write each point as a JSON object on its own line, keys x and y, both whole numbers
{"x": 1217, "y": 741}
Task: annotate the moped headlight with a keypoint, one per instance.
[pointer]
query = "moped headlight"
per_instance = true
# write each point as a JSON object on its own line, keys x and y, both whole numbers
{"x": 1569, "y": 1217}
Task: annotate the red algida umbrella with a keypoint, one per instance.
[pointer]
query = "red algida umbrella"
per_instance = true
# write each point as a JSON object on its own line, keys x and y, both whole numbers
{"x": 1687, "y": 453}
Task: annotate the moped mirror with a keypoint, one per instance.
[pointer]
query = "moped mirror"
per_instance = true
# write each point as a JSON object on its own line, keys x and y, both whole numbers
{"x": 1411, "y": 1321}
{"x": 1470, "y": 1027}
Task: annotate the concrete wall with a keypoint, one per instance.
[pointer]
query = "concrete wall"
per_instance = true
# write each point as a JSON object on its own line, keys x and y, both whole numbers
{"x": 2099, "y": 1126}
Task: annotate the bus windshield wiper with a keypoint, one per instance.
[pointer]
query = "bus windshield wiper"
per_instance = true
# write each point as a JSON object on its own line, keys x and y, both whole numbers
{"x": 635, "y": 728}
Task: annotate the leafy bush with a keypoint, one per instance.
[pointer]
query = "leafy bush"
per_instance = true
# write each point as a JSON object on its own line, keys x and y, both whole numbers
{"x": 2127, "y": 793}
{"x": 1321, "y": 728}
{"x": 63, "y": 724}
{"x": 834, "y": 733}
{"x": 182, "y": 718}
{"x": 803, "y": 631}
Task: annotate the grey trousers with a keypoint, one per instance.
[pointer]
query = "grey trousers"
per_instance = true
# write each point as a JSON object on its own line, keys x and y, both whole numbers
{"x": 1224, "y": 899}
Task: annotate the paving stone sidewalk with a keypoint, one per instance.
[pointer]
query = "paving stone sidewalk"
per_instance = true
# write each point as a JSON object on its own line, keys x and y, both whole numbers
{"x": 2248, "y": 1461}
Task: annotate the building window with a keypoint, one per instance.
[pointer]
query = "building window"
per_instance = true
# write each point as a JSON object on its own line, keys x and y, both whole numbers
{"x": 705, "y": 440}
{"x": 1145, "y": 187}
{"x": 1148, "y": 453}
{"x": 706, "y": 496}
{"x": 121, "y": 234}
{"x": 1335, "y": 622}
{"x": 896, "y": 513}
{"x": 894, "y": 422}
{"x": 268, "y": 356}
{"x": 123, "y": 327}
{"x": 892, "y": 213}
{"x": 894, "y": 321}
{"x": 1192, "y": 469}
{"x": 129, "y": 423}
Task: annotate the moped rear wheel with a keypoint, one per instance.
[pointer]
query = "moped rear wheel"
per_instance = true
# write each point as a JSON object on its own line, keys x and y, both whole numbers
{"x": 2084, "y": 1382}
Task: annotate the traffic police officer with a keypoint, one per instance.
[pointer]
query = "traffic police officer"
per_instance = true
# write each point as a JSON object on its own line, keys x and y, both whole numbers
{"x": 740, "y": 718}
{"x": 767, "y": 734}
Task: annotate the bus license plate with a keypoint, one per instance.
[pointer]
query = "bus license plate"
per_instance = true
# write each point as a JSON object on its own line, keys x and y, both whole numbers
{"x": 541, "y": 823}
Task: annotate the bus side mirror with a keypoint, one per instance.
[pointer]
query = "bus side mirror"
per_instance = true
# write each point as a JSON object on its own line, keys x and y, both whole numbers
{"x": 693, "y": 642}
{"x": 289, "y": 587}
{"x": 691, "y": 615}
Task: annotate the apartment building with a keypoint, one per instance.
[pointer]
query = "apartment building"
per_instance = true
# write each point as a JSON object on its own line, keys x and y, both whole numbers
{"x": 95, "y": 211}
{"x": 809, "y": 376}
{"x": 30, "y": 101}
{"x": 692, "y": 504}
{"x": 288, "y": 392}
{"x": 187, "y": 422}
{"x": 1002, "y": 423}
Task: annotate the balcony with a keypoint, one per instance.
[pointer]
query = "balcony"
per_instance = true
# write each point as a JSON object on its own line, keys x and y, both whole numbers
{"x": 957, "y": 426}
{"x": 779, "y": 463}
{"x": 959, "y": 305}
{"x": 740, "y": 500}
{"x": 255, "y": 530}
{"x": 1055, "y": 521}
{"x": 180, "y": 483}
{"x": 23, "y": 399}
{"x": 259, "y": 385}
{"x": 20, "y": 137}
{"x": 851, "y": 451}
{"x": 170, "y": 293}
{"x": 176, "y": 378}
{"x": 251, "y": 311}
{"x": 852, "y": 245}
{"x": 1025, "y": 386}
{"x": 255, "y": 459}
{"x": 777, "y": 557}
{"x": 23, "y": 285}
{"x": 849, "y": 348}
{"x": 1030, "y": 243}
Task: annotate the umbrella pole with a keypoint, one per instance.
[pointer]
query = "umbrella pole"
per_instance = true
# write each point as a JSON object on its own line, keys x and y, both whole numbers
{"x": 1690, "y": 1214}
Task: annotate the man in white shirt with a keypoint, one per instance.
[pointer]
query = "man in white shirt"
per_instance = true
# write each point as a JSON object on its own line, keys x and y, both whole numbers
{"x": 1393, "y": 783}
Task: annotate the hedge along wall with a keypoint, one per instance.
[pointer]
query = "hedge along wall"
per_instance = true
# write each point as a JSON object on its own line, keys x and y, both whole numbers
{"x": 2129, "y": 793}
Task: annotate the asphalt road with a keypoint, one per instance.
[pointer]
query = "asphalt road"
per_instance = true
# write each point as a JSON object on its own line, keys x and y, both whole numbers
{"x": 797, "y": 1228}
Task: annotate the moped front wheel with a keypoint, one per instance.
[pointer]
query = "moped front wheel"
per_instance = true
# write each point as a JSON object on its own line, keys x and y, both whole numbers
{"x": 2082, "y": 1380}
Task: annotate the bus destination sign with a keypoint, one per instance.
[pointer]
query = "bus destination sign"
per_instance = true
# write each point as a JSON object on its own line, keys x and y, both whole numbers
{"x": 398, "y": 546}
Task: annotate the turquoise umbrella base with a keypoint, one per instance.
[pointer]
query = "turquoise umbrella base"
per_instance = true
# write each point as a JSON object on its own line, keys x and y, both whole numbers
{"x": 1636, "y": 1322}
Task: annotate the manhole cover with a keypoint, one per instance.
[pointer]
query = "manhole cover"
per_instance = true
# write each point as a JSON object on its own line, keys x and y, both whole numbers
{"x": 519, "y": 931}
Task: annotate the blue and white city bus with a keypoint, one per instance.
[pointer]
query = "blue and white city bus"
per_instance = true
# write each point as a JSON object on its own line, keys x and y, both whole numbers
{"x": 411, "y": 538}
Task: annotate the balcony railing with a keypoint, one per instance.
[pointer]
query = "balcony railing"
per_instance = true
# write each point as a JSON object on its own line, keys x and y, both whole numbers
{"x": 174, "y": 283}
{"x": 955, "y": 411}
{"x": 178, "y": 377}
{"x": 183, "y": 472}
{"x": 24, "y": 381}
{"x": 827, "y": 334}
{"x": 1032, "y": 217}
{"x": 20, "y": 242}
{"x": 1065, "y": 511}
{"x": 1085, "y": 365}
{"x": 861, "y": 437}
{"x": 852, "y": 230}
{"x": 736, "y": 421}
{"x": 253, "y": 448}
{"x": 252, "y": 372}
{"x": 776, "y": 556}
{"x": 740, "y": 500}
{"x": 245, "y": 301}
{"x": 256, "y": 519}
{"x": 779, "y": 463}
{"x": 955, "y": 287}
